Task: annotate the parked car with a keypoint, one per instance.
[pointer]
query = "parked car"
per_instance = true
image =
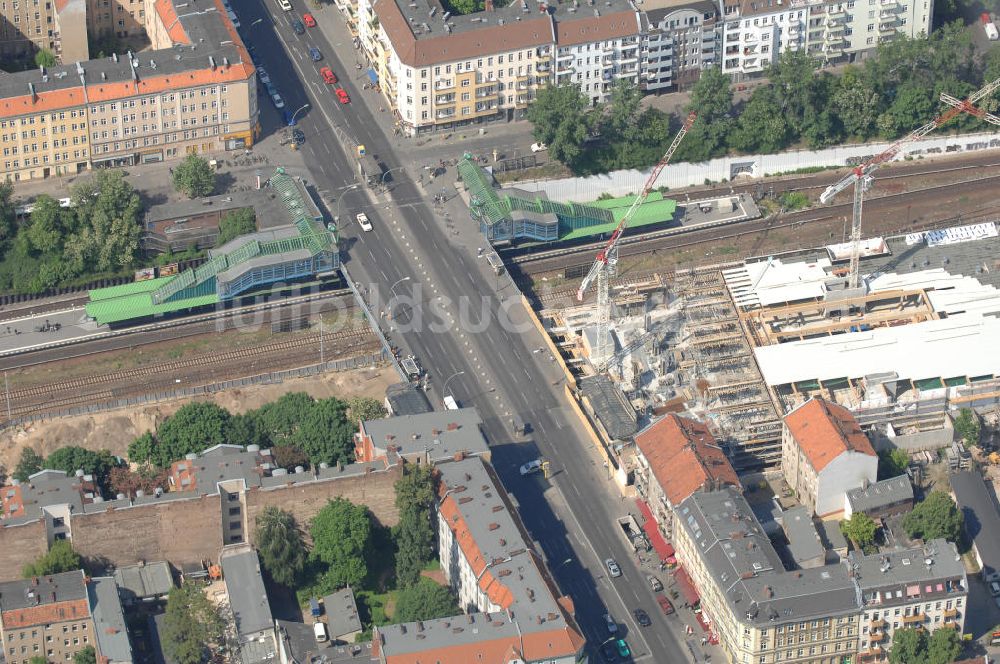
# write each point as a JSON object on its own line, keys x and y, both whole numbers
{"x": 612, "y": 625}
{"x": 309, "y": 20}
{"x": 623, "y": 649}
{"x": 263, "y": 76}
{"x": 642, "y": 618}
{"x": 539, "y": 147}
{"x": 297, "y": 27}
{"x": 654, "y": 583}
{"x": 315, "y": 54}
{"x": 278, "y": 102}
{"x": 613, "y": 569}
{"x": 609, "y": 653}
{"x": 328, "y": 75}
{"x": 342, "y": 96}
{"x": 665, "y": 604}
{"x": 364, "y": 222}
{"x": 994, "y": 588}
{"x": 531, "y": 467}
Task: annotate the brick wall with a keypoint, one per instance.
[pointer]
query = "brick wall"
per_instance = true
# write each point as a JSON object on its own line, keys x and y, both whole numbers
{"x": 375, "y": 489}
{"x": 20, "y": 545}
{"x": 180, "y": 531}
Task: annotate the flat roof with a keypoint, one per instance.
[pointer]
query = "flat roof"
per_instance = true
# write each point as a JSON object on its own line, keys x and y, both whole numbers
{"x": 247, "y": 596}
{"x": 42, "y": 590}
{"x": 109, "y": 620}
{"x": 407, "y": 399}
{"x": 144, "y": 581}
{"x": 803, "y": 540}
{"x": 982, "y": 519}
{"x": 341, "y": 610}
{"x": 895, "y": 571}
{"x": 881, "y": 494}
{"x": 21, "y": 502}
{"x": 439, "y": 434}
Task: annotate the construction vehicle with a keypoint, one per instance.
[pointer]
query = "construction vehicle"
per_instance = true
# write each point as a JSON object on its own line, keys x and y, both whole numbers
{"x": 604, "y": 266}
{"x": 861, "y": 176}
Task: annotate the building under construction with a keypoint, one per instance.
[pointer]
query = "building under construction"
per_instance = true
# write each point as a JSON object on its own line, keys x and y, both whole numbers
{"x": 740, "y": 347}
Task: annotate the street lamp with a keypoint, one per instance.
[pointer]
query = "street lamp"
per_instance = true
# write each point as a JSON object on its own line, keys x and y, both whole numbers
{"x": 291, "y": 123}
{"x": 260, "y": 20}
{"x": 398, "y": 282}
{"x": 340, "y": 200}
{"x": 444, "y": 388}
{"x": 398, "y": 168}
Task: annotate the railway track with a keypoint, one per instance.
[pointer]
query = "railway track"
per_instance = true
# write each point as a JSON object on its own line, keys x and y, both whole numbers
{"x": 557, "y": 258}
{"x": 151, "y": 378}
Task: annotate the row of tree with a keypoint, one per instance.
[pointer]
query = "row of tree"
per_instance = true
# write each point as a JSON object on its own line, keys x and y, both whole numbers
{"x": 888, "y": 96}
{"x": 298, "y": 429}
{"x": 55, "y": 246}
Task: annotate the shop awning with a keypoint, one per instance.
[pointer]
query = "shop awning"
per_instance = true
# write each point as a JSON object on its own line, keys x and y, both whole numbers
{"x": 662, "y": 547}
{"x": 686, "y": 586}
{"x": 372, "y": 76}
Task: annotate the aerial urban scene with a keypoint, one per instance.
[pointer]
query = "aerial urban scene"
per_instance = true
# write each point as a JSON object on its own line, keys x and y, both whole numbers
{"x": 500, "y": 331}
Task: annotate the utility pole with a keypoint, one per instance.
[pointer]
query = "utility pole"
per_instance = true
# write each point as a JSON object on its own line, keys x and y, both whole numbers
{"x": 321, "y": 353}
{"x": 6, "y": 388}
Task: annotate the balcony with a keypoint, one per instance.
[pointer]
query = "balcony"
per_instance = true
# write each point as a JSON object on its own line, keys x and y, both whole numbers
{"x": 564, "y": 56}
{"x": 444, "y": 99}
{"x": 544, "y": 65}
{"x": 888, "y": 24}
{"x": 876, "y": 624}
{"x": 445, "y": 114}
{"x": 877, "y": 637}
{"x": 951, "y": 624}
{"x": 950, "y": 613}
{"x": 885, "y": 29}
{"x": 914, "y": 619}
{"x": 835, "y": 29}
{"x": 835, "y": 13}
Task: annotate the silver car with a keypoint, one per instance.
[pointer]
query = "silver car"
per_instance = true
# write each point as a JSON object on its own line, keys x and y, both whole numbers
{"x": 613, "y": 569}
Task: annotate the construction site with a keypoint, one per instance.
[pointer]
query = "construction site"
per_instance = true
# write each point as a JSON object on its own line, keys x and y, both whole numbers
{"x": 902, "y": 331}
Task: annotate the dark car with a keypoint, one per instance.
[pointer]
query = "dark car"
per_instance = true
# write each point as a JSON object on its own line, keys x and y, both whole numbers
{"x": 609, "y": 653}
{"x": 315, "y": 54}
{"x": 642, "y": 618}
{"x": 298, "y": 136}
{"x": 298, "y": 27}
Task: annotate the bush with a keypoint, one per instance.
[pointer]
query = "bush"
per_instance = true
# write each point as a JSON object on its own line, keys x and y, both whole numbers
{"x": 60, "y": 558}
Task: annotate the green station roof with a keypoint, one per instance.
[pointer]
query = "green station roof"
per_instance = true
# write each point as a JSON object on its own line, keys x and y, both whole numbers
{"x": 655, "y": 210}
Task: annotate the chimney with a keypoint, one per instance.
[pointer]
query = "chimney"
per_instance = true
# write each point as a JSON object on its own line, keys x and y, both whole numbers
{"x": 494, "y": 526}
{"x": 453, "y": 426}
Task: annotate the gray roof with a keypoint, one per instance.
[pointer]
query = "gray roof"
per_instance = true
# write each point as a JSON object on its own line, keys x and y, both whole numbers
{"x": 109, "y": 621}
{"x": 803, "y": 541}
{"x": 187, "y": 208}
{"x": 489, "y": 516}
{"x": 44, "y": 489}
{"x": 300, "y": 645}
{"x": 341, "y": 614}
{"x": 440, "y": 434}
{"x": 407, "y": 399}
{"x": 982, "y": 520}
{"x": 937, "y": 560}
{"x": 881, "y": 494}
{"x": 136, "y": 582}
{"x": 247, "y": 596}
{"x": 155, "y": 625}
{"x": 829, "y": 533}
{"x": 206, "y": 29}
{"x": 42, "y": 590}
{"x": 657, "y": 10}
{"x": 614, "y": 412}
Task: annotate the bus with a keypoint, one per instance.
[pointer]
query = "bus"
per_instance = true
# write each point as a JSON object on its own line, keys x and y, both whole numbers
{"x": 450, "y": 403}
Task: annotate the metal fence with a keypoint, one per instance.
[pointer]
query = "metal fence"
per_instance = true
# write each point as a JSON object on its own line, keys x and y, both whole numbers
{"x": 380, "y": 358}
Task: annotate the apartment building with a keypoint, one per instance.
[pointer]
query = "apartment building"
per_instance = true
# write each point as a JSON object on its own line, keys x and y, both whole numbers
{"x": 679, "y": 39}
{"x": 47, "y": 617}
{"x": 764, "y": 613}
{"x": 758, "y": 31}
{"x": 514, "y": 612}
{"x": 49, "y": 495}
{"x": 136, "y": 108}
{"x": 825, "y": 454}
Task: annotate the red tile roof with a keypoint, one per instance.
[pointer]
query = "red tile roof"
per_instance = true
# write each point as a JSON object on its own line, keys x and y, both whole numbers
{"x": 12, "y": 506}
{"x": 460, "y": 45}
{"x": 684, "y": 457}
{"x": 46, "y": 614}
{"x": 168, "y": 15}
{"x": 824, "y": 431}
{"x": 596, "y": 28}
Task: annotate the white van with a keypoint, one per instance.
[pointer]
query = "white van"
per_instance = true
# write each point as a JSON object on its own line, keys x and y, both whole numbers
{"x": 319, "y": 631}
{"x": 285, "y": 5}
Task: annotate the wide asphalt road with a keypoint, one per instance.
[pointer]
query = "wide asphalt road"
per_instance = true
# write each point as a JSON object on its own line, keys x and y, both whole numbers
{"x": 451, "y": 326}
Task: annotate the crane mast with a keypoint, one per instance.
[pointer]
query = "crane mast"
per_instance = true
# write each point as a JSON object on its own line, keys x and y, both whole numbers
{"x": 607, "y": 258}
{"x": 861, "y": 175}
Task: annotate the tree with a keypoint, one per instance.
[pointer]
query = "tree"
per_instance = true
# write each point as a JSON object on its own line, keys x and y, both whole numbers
{"x": 141, "y": 449}
{"x": 967, "y": 426}
{"x": 559, "y": 118}
{"x": 892, "y": 463}
{"x": 341, "y": 534}
{"x": 465, "y": 6}
{"x": 236, "y": 223}
{"x": 363, "y": 408}
{"x": 193, "y": 177}
{"x": 72, "y": 458}
{"x": 192, "y": 625}
{"x": 712, "y": 100}
{"x": 7, "y": 214}
{"x": 29, "y": 464}
{"x": 107, "y": 208}
{"x": 289, "y": 456}
{"x": 45, "y": 58}
{"x": 943, "y": 646}
{"x": 859, "y": 528}
{"x": 37, "y": 659}
{"x": 909, "y": 646}
{"x": 86, "y": 656}
{"x": 49, "y": 225}
{"x": 325, "y": 434}
{"x": 148, "y": 479}
{"x": 425, "y": 600}
{"x": 279, "y": 420}
{"x": 280, "y": 545}
{"x": 855, "y": 102}
{"x": 936, "y": 516}
{"x": 60, "y": 558}
{"x": 762, "y": 126}
{"x": 414, "y": 534}
{"x": 195, "y": 427}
